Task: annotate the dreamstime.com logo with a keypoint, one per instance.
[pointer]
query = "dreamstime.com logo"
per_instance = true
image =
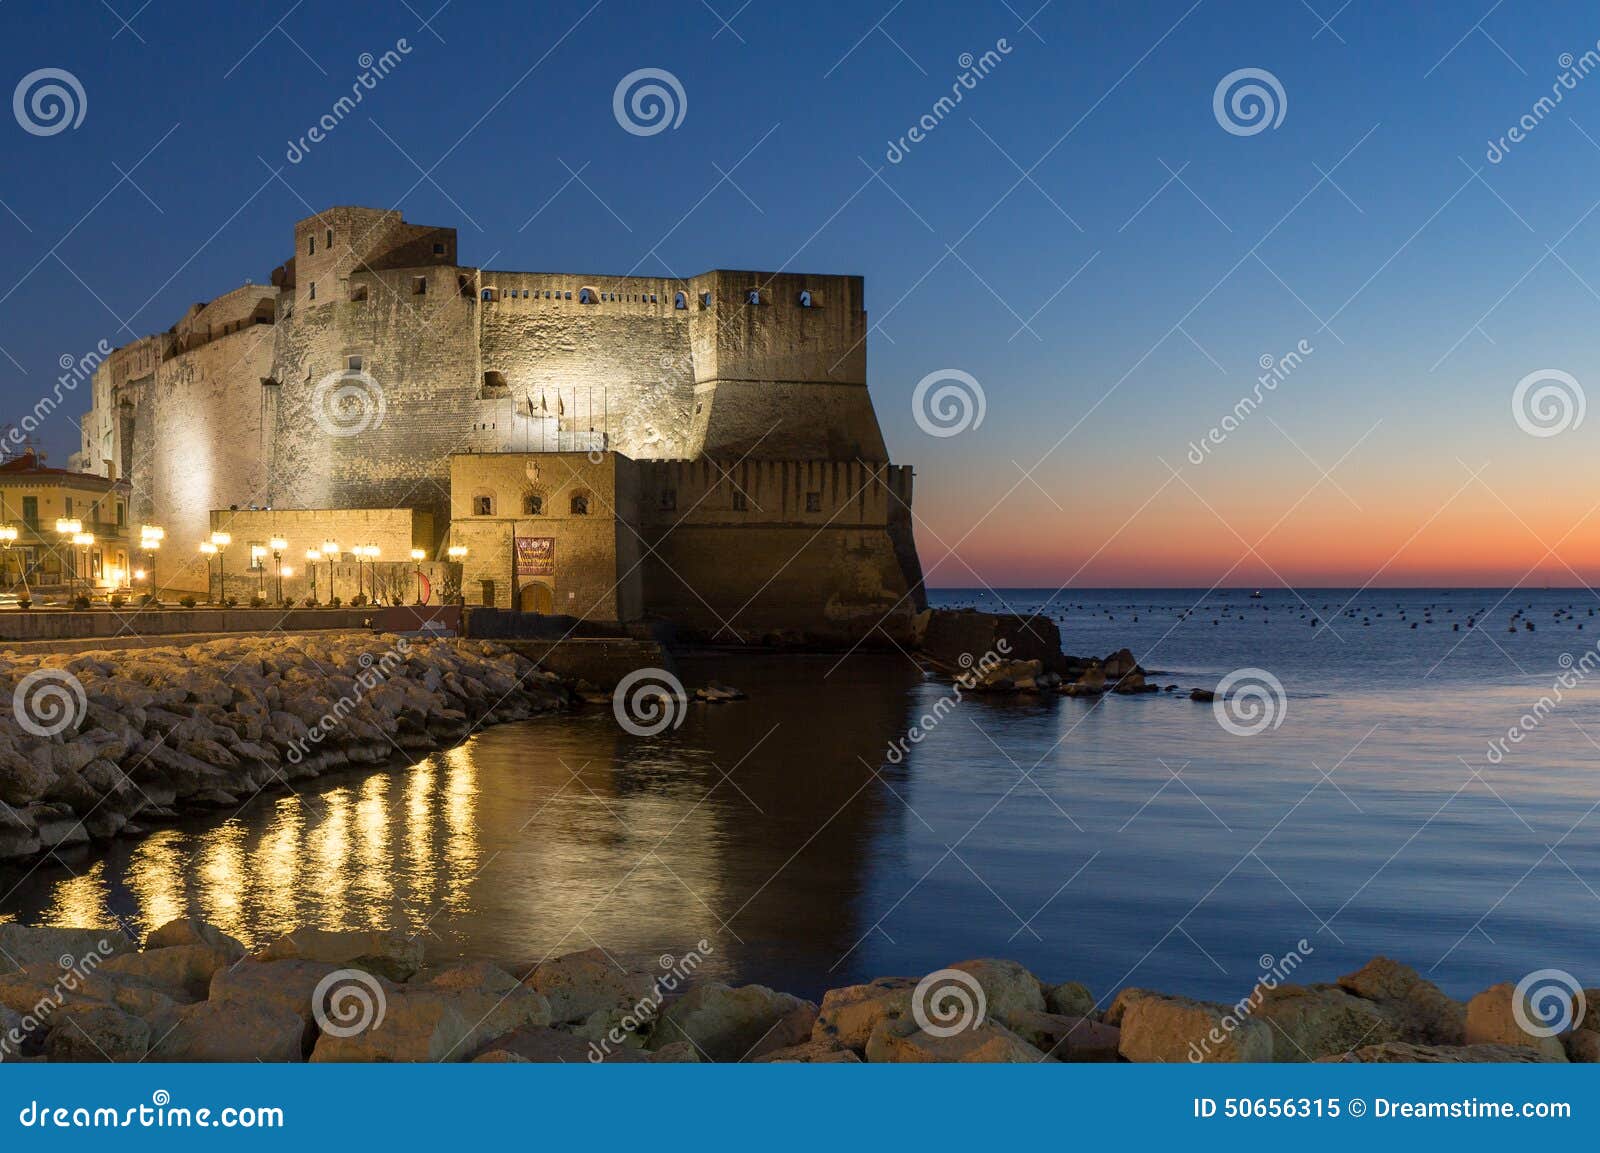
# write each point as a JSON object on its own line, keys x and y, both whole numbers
{"x": 649, "y": 701}
{"x": 348, "y": 1002}
{"x": 648, "y": 101}
{"x": 1248, "y": 101}
{"x": 348, "y": 403}
{"x": 947, "y": 402}
{"x": 947, "y": 1002}
{"x": 49, "y": 701}
{"x": 1548, "y": 402}
{"x": 48, "y": 101}
{"x": 1250, "y": 701}
{"x": 1547, "y": 1002}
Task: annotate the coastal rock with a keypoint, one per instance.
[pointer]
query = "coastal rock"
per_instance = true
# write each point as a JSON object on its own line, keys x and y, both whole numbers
{"x": 1121, "y": 664}
{"x": 287, "y": 986}
{"x": 23, "y": 781}
{"x": 1008, "y": 988}
{"x": 1157, "y": 1027}
{"x": 1582, "y": 1046}
{"x": 22, "y": 945}
{"x": 813, "y": 1052}
{"x": 1425, "y": 1014}
{"x": 491, "y": 1001}
{"x": 233, "y": 1030}
{"x": 985, "y": 1043}
{"x": 408, "y": 1026}
{"x": 193, "y": 931}
{"x": 1070, "y": 999}
{"x": 1491, "y": 1020}
{"x": 960, "y": 638}
{"x": 848, "y": 1015}
{"x": 735, "y": 1024}
{"x": 1202, "y": 695}
{"x": 390, "y": 955}
{"x": 189, "y": 968}
{"x": 1068, "y": 1038}
{"x": 1119, "y": 1004}
{"x": 1312, "y": 1022}
{"x": 552, "y": 1046}
{"x": 96, "y": 1033}
{"x": 578, "y": 985}
{"x": 1404, "y": 1052}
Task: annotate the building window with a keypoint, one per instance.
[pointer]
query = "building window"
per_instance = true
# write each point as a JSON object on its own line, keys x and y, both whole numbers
{"x": 483, "y": 505}
{"x": 120, "y": 514}
{"x": 30, "y": 511}
{"x": 487, "y": 593}
{"x": 753, "y": 296}
{"x": 533, "y": 505}
{"x": 330, "y": 239}
{"x": 705, "y": 300}
{"x": 586, "y": 296}
{"x": 813, "y": 502}
{"x": 805, "y": 300}
{"x": 311, "y": 245}
{"x": 438, "y": 250}
{"x": 353, "y": 363}
{"x": 489, "y": 294}
{"x": 313, "y": 290}
{"x": 669, "y": 500}
{"x": 680, "y": 301}
{"x": 741, "y": 503}
{"x": 358, "y": 293}
{"x": 494, "y": 386}
{"x": 580, "y": 504}
{"x": 419, "y": 286}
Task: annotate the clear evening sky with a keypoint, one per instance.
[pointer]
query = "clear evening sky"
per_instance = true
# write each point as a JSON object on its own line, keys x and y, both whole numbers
{"x": 1080, "y": 234}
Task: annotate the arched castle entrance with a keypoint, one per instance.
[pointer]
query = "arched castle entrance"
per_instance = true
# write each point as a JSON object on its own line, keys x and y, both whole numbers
{"x": 535, "y": 597}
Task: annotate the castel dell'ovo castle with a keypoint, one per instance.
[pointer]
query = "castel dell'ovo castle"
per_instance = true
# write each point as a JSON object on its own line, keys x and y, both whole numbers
{"x": 698, "y": 450}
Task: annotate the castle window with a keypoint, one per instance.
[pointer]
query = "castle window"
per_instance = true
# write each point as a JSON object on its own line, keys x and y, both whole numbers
{"x": 580, "y": 504}
{"x": 705, "y": 300}
{"x": 487, "y": 593}
{"x": 313, "y": 290}
{"x": 494, "y": 386}
{"x": 330, "y": 239}
{"x": 358, "y": 293}
{"x": 586, "y": 296}
{"x": 680, "y": 301}
{"x": 813, "y": 502}
{"x": 741, "y": 503}
{"x": 652, "y": 298}
{"x": 489, "y": 294}
{"x": 753, "y": 296}
{"x": 483, "y": 505}
{"x": 567, "y": 297}
{"x": 669, "y": 500}
{"x": 438, "y": 250}
{"x": 353, "y": 363}
{"x": 533, "y": 505}
{"x": 419, "y": 286}
{"x": 805, "y": 300}
{"x": 311, "y": 245}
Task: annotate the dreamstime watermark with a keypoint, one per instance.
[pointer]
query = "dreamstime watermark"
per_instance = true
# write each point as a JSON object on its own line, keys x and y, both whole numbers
{"x": 1575, "y": 672}
{"x": 644, "y": 1010}
{"x": 1248, "y": 101}
{"x": 648, "y": 101}
{"x": 374, "y": 672}
{"x": 49, "y": 701}
{"x": 348, "y": 1002}
{"x": 1250, "y": 701}
{"x": 947, "y": 402}
{"x": 649, "y": 701}
{"x": 48, "y": 101}
{"x": 1275, "y": 370}
{"x": 373, "y": 69}
{"x": 159, "y": 1114}
{"x": 1548, "y": 402}
{"x": 974, "y": 671}
{"x": 973, "y": 69}
{"x": 76, "y": 370}
{"x": 947, "y": 1002}
{"x": 1547, "y": 1002}
{"x": 1274, "y": 971}
{"x": 348, "y": 402}
{"x": 1573, "y": 69}
{"x": 36, "y": 1019}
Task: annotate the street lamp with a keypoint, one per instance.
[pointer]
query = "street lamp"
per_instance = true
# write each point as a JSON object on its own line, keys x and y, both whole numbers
{"x": 8, "y": 541}
{"x": 417, "y": 555}
{"x": 330, "y": 550}
{"x": 457, "y": 554}
{"x": 221, "y": 541}
{"x": 368, "y": 552}
{"x": 278, "y": 544}
{"x": 312, "y": 557}
{"x": 66, "y": 528}
{"x": 208, "y": 550}
{"x": 150, "y": 538}
{"x": 85, "y": 541}
{"x": 258, "y": 556}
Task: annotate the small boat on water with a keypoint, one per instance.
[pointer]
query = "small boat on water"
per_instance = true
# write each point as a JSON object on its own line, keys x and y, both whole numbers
{"x": 1255, "y": 596}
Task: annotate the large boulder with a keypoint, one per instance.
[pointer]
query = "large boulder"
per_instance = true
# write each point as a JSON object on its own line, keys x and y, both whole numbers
{"x": 233, "y": 1030}
{"x": 848, "y": 1015}
{"x": 1404, "y": 1052}
{"x": 24, "y": 945}
{"x": 1119, "y": 1003}
{"x": 1070, "y": 999}
{"x": 543, "y": 1045}
{"x": 193, "y": 931}
{"x": 986, "y": 1042}
{"x": 188, "y": 968}
{"x": 735, "y": 1024}
{"x": 1425, "y": 1014}
{"x": 1068, "y": 1038}
{"x": 1492, "y": 1020}
{"x": 960, "y": 639}
{"x": 491, "y": 1001}
{"x": 1582, "y": 1045}
{"x": 1008, "y": 988}
{"x": 391, "y": 955}
{"x": 409, "y": 1026}
{"x": 1311, "y": 1022}
{"x": 578, "y": 985}
{"x": 1156, "y": 1027}
{"x": 90, "y": 1032}
{"x": 813, "y": 1052}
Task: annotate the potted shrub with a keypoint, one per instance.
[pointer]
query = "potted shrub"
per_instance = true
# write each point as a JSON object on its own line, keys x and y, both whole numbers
{"x": 310, "y": 602}
{"x": 80, "y": 602}
{"x": 258, "y": 602}
{"x": 335, "y": 603}
{"x": 118, "y": 600}
{"x": 230, "y": 602}
{"x": 148, "y": 599}
{"x": 24, "y": 602}
{"x": 186, "y": 601}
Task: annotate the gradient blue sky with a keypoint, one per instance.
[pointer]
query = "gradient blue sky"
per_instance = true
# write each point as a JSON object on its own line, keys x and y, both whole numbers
{"x": 1426, "y": 292}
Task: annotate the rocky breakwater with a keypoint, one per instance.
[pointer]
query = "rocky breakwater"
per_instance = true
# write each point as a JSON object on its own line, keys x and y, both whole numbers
{"x": 103, "y": 743}
{"x": 1012, "y": 653}
{"x": 192, "y": 993}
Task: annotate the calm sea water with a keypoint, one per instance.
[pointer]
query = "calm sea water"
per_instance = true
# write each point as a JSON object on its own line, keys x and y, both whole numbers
{"x": 1134, "y": 840}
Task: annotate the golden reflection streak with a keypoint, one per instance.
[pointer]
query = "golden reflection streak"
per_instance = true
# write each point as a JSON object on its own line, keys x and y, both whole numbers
{"x": 80, "y": 900}
{"x": 155, "y": 877}
{"x": 331, "y": 841}
{"x": 276, "y": 868}
{"x": 374, "y": 885}
{"x": 221, "y": 877}
{"x": 461, "y": 826}
{"x": 419, "y": 831}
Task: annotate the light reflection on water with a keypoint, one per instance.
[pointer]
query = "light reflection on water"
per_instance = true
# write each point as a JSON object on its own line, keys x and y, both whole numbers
{"x": 775, "y": 829}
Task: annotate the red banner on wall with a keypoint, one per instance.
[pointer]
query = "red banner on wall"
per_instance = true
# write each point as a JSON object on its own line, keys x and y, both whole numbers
{"x": 536, "y": 555}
